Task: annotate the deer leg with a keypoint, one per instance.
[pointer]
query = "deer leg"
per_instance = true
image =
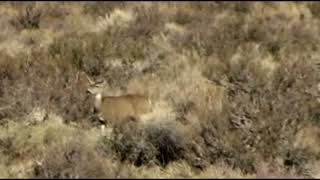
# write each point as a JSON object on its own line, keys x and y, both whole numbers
{"x": 101, "y": 119}
{"x": 132, "y": 118}
{"x": 102, "y": 129}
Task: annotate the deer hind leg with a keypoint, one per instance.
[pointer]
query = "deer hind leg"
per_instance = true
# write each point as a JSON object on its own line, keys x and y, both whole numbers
{"x": 97, "y": 119}
{"x": 132, "y": 118}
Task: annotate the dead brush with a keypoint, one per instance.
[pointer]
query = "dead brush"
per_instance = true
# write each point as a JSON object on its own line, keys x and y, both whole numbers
{"x": 102, "y": 8}
{"x": 70, "y": 160}
{"x": 29, "y": 19}
{"x": 146, "y": 145}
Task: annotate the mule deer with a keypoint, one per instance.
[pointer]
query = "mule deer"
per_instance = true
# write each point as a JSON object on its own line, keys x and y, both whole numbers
{"x": 111, "y": 108}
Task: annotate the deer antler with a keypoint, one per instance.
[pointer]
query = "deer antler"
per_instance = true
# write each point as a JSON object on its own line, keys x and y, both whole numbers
{"x": 85, "y": 74}
{"x": 90, "y": 80}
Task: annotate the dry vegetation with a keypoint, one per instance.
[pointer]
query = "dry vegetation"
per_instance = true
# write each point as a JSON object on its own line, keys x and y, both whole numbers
{"x": 236, "y": 87}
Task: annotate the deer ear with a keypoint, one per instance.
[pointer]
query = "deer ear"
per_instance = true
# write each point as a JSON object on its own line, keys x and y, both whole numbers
{"x": 101, "y": 81}
{"x": 89, "y": 91}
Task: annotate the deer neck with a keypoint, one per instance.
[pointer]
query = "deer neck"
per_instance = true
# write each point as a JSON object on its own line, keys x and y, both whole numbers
{"x": 98, "y": 101}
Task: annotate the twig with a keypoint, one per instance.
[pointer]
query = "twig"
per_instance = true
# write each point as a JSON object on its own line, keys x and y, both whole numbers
{"x": 5, "y": 107}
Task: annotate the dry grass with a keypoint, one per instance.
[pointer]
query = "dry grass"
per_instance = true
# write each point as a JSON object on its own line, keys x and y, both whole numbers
{"x": 234, "y": 88}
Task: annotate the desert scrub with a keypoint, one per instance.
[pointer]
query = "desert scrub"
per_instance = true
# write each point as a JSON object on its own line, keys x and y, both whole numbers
{"x": 240, "y": 79}
{"x": 145, "y": 145}
{"x": 102, "y": 8}
{"x": 30, "y": 18}
{"x": 26, "y": 141}
{"x": 71, "y": 160}
{"x": 54, "y": 150}
{"x": 110, "y": 54}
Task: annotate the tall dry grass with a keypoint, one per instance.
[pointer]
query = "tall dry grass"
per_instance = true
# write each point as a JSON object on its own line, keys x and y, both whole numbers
{"x": 234, "y": 86}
